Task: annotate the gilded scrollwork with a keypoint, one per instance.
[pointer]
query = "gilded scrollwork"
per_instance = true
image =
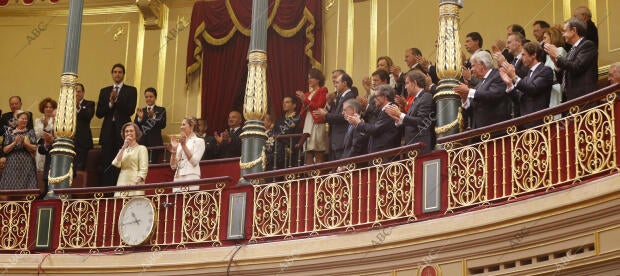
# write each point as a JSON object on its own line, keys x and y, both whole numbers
{"x": 78, "y": 224}
{"x": 594, "y": 145}
{"x": 201, "y": 216}
{"x": 531, "y": 158}
{"x": 14, "y": 224}
{"x": 467, "y": 170}
{"x": 272, "y": 207}
{"x": 332, "y": 202}
{"x": 395, "y": 191}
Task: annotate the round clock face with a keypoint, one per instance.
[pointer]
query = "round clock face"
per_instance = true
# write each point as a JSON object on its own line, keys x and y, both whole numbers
{"x": 136, "y": 221}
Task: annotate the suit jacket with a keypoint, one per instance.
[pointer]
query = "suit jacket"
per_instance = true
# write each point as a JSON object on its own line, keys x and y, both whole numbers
{"x": 210, "y": 148}
{"x": 534, "y": 92}
{"x": 232, "y": 149}
{"x": 592, "y": 33}
{"x": 151, "y": 127}
{"x": 432, "y": 71}
{"x": 580, "y": 69}
{"x": 520, "y": 68}
{"x": 383, "y": 133}
{"x": 355, "y": 142}
{"x": 83, "y": 136}
{"x": 491, "y": 103}
{"x": 400, "y": 82}
{"x": 119, "y": 114}
{"x": 337, "y": 124}
{"x": 419, "y": 122}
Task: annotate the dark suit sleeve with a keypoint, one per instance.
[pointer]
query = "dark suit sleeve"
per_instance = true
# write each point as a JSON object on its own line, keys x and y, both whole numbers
{"x": 160, "y": 118}
{"x": 494, "y": 89}
{"x": 541, "y": 83}
{"x": 87, "y": 112}
{"x": 581, "y": 61}
{"x": 103, "y": 104}
{"x": 423, "y": 112}
{"x": 383, "y": 124}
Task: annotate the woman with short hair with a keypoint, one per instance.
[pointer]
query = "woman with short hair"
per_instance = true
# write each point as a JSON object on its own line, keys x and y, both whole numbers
{"x": 19, "y": 145}
{"x": 132, "y": 159}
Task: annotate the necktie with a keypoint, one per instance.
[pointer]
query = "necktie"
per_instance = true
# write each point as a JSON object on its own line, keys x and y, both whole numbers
{"x": 117, "y": 92}
{"x": 568, "y": 57}
{"x": 529, "y": 73}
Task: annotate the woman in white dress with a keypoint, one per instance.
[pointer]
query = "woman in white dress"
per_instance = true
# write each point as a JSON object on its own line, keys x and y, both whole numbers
{"x": 132, "y": 159}
{"x": 44, "y": 124}
{"x": 553, "y": 36}
{"x": 185, "y": 153}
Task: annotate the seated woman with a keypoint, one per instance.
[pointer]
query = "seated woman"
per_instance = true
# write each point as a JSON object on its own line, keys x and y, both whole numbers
{"x": 186, "y": 152}
{"x": 132, "y": 159}
{"x": 18, "y": 146}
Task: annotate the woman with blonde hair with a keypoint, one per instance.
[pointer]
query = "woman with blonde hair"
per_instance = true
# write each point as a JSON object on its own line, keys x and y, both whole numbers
{"x": 132, "y": 159}
{"x": 186, "y": 151}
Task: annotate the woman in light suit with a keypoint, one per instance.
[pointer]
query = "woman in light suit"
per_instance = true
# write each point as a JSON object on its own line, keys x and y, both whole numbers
{"x": 132, "y": 159}
{"x": 186, "y": 152}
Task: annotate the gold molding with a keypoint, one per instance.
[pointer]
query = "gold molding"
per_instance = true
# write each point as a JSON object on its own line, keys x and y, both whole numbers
{"x": 592, "y": 7}
{"x": 374, "y": 6}
{"x": 139, "y": 54}
{"x": 162, "y": 51}
{"x": 566, "y": 10}
{"x": 609, "y": 36}
{"x": 29, "y": 12}
{"x": 350, "y": 30}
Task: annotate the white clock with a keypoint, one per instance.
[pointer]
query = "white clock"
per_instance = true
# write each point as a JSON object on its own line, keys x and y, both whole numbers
{"x": 136, "y": 221}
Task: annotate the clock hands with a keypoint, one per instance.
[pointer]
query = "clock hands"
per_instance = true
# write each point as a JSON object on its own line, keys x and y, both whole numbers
{"x": 136, "y": 220}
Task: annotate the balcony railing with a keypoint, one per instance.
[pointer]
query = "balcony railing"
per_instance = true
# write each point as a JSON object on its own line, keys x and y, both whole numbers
{"x": 479, "y": 167}
{"x": 308, "y": 202}
{"x": 557, "y": 151}
{"x": 16, "y": 220}
{"x": 181, "y": 219}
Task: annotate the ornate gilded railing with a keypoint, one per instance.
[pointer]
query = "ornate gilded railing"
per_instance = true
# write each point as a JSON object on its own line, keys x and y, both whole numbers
{"x": 183, "y": 218}
{"x": 368, "y": 191}
{"x": 16, "y": 219}
{"x": 507, "y": 160}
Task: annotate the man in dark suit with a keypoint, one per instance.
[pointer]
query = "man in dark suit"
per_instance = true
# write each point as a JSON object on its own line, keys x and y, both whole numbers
{"x": 413, "y": 56}
{"x": 210, "y": 142}
{"x": 151, "y": 119}
{"x": 229, "y": 140}
{"x": 514, "y": 44}
{"x": 83, "y": 138}
{"x": 500, "y": 45}
{"x": 337, "y": 124}
{"x": 355, "y": 141}
{"x": 419, "y": 121}
{"x": 534, "y": 89}
{"x": 488, "y": 102}
{"x": 584, "y": 14}
{"x": 7, "y": 120}
{"x": 383, "y": 134}
{"x": 580, "y": 67}
{"x": 116, "y": 104}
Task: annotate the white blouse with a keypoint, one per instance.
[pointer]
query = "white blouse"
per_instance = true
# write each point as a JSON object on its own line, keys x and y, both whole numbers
{"x": 185, "y": 166}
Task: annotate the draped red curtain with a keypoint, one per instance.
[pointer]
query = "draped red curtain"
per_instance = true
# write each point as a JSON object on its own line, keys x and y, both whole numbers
{"x": 218, "y": 48}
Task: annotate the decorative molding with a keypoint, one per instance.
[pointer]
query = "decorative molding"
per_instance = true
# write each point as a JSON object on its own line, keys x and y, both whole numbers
{"x": 152, "y": 11}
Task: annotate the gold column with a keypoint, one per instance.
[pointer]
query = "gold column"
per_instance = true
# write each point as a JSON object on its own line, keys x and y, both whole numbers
{"x": 449, "y": 117}
{"x": 255, "y": 102}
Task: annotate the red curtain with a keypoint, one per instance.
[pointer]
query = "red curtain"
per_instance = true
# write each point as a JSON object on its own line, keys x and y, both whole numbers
{"x": 218, "y": 47}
